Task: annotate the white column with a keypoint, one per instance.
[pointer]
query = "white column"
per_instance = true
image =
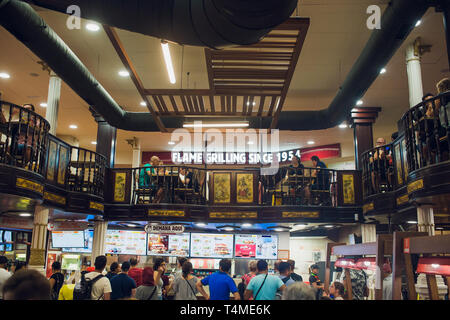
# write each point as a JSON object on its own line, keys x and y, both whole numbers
{"x": 369, "y": 233}
{"x": 414, "y": 73}
{"x": 425, "y": 220}
{"x": 98, "y": 243}
{"x": 136, "y": 153}
{"x": 38, "y": 259}
{"x": 54, "y": 93}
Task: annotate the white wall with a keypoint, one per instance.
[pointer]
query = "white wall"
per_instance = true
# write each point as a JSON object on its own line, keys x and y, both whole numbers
{"x": 302, "y": 250}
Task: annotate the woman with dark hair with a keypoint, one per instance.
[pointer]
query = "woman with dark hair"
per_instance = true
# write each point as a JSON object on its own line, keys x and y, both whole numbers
{"x": 337, "y": 290}
{"x": 159, "y": 268}
{"x": 56, "y": 280}
{"x": 147, "y": 291}
{"x": 185, "y": 286}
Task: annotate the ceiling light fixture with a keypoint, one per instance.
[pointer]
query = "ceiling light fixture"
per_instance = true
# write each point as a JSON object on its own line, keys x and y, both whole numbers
{"x": 228, "y": 229}
{"x": 250, "y": 142}
{"x": 4, "y": 75}
{"x": 412, "y": 222}
{"x": 43, "y": 105}
{"x": 246, "y": 225}
{"x": 25, "y": 214}
{"x": 311, "y": 142}
{"x": 359, "y": 102}
{"x": 201, "y": 224}
{"x": 124, "y": 73}
{"x": 329, "y": 226}
{"x": 216, "y": 125}
{"x": 278, "y": 229}
{"x": 73, "y": 126}
{"x": 92, "y": 27}
{"x": 418, "y": 23}
{"x": 171, "y": 143}
{"x": 383, "y": 70}
{"x": 168, "y": 60}
{"x": 343, "y": 125}
{"x": 93, "y": 142}
{"x": 143, "y": 103}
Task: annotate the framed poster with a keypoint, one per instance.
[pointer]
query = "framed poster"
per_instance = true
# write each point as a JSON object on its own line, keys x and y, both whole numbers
{"x": 51, "y": 160}
{"x": 222, "y": 188}
{"x": 405, "y": 159}
{"x": 398, "y": 164}
{"x": 244, "y": 187}
{"x": 119, "y": 186}
{"x": 63, "y": 163}
{"x": 348, "y": 186}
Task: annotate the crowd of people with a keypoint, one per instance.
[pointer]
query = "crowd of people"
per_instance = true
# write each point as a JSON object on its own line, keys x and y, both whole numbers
{"x": 126, "y": 281}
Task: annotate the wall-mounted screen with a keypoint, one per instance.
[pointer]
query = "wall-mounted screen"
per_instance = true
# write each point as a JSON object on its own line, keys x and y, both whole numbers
{"x": 68, "y": 239}
{"x": 6, "y": 236}
{"x": 70, "y": 262}
{"x": 126, "y": 242}
{"x": 267, "y": 247}
{"x": 88, "y": 238}
{"x": 245, "y": 245}
{"x": 209, "y": 245}
{"x": 168, "y": 245}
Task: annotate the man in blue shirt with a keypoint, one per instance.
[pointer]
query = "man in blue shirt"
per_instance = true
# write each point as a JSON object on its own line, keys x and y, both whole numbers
{"x": 122, "y": 285}
{"x": 263, "y": 286}
{"x": 220, "y": 283}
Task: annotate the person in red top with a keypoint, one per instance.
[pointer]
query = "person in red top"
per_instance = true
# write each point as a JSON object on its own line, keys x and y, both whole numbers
{"x": 135, "y": 273}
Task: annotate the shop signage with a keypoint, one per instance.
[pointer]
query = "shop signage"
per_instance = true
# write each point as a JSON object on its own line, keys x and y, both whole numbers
{"x": 234, "y": 215}
{"x": 16, "y": 223}
{"x": 30, "y": 185}
{"x": 69, "y": 225}
{"x": 164, "y": 228}
{"x": 165, "y": 213}
{"x": 403, "y": 199}
{"x": 300, "y": 214}
{"x": 414, "y": 186}
{"x": 50, "y": 226}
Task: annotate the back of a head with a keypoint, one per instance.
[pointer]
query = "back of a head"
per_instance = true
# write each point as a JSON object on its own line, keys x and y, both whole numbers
{"x": 100, "y": 263}
{"x": 19, "y": 265}
{"x": 299, "y": 291}
{"x": 427, "y": 96}
{"x": 284, "y": 267}
{"x": 133, "y": 262}
{"x": 225, "y": 265}
{"x": 315, "y": 158}
{"x": 314, "y": 267}
{"x": 125, "y": 266}
{"x": 262, "y": 265}
{"x": 56, "y": 265}
{"x": 147, "y": 277}
{"x": 186, "y": 268}
{"x": 3, "y": 260}
{"x": 443, "y": 85}
{"x": 339, "y": 288}
{"x": 252, "y": 265}
{"x": 113, "y": 267}
{"x": 157, "y": 264}
{"x": 292, "y": 264}
{"x": 181, "y": 260}
{"x": 26, "y": 285}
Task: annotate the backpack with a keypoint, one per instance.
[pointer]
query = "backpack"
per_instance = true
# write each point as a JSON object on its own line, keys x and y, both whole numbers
{"x": 83, "y": 289}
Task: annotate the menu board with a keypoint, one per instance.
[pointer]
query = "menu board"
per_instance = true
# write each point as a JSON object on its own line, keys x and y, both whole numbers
{"x": 7, "y": 236}
{"x": 70, "y": 262}
{"x": 168, "y": 245}
{"x": 205, "y": 263}
{"x": 88, "y": 238}
{"x": 68, "y": 239}
{"x": 267, "y": 247}
{"x": 209, "y": 245}
{"x": 245, "y": 245}
{"x": 126, "y": 242}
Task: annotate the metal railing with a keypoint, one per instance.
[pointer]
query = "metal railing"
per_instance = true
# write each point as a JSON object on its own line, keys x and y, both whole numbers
{"x": 427, "y": 132}
{"x": 86, "y": 172}
{"x": 23, "y": 137}
{"x": 193, "y": 185}
{"x": 378, "y": 170}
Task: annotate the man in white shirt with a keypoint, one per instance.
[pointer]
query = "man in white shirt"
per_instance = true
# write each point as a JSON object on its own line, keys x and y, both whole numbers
{"x": 4, "y": 274}
{"x": 101, "y": 290}
{"x": 387, "y": 282}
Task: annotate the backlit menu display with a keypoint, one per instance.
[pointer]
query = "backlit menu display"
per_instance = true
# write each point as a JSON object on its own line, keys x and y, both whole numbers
{"x": 126, "y": 242}
{"x": 267, "y": 247}
{"x": 245, "y": 245}
{"x": 168, "y": 245}
{"x": 68, "y": 239}
{"x": 208, "y": 245}
{"x": 88, "y": 237}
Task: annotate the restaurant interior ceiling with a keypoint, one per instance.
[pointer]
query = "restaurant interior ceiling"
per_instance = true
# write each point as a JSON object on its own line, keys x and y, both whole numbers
{"x": 336, "y": 36}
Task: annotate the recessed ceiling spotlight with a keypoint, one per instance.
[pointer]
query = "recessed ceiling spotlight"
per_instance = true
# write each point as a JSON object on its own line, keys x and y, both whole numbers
{"x": 143, "y": 103}
{"x": 383, "y": 70}
{"x": 201, "y": 224}
{"x": 43, "y": 105}
{"x": 124, "y": 73}
{"x": 250, "y": 142}
{"x": 25, "y": 214}
{"x": 73, "y": 126}
{"x": 343, "y": 125}
{"x": 171, "y": 143}
{"x": 359, "y": 102}
{"x": 228, "y": 229}
{"x": 418, "y": 23}
{"x": 329, "y": 226}
{"x": 439, "y": 228}
{"x": 93, "y": 142}
{"x": 412, "y": 222}
{"x": 4, "y": 75}
{"x": 92, "y": 26}
{"x": 246, "y": 225}
{"x": 278, "y": 229}
{"x": 311, "y": 142}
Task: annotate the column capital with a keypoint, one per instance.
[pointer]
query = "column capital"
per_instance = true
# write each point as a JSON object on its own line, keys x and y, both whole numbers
{"x": 97, "y": 117}
{"x": 363, "y": 115}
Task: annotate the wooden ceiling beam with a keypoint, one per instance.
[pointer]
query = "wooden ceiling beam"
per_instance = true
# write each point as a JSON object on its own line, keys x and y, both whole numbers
{"x": 184, "y": 103}
{"x": 261, "y": 105}
{"x": 174, "y": 105}
{"x": 202, "y": 106}
{"x": 118, "y": 46}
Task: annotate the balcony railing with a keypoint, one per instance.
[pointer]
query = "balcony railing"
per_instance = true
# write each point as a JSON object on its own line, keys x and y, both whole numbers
{"x": 23, "y": 137}
{"x": 427, "y": 132}
{"x": 240, "y": 187}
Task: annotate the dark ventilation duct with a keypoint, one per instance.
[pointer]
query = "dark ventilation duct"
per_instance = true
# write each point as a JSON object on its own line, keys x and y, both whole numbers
{"x": 211, "y": 23}
{"x": 397, "y": 22}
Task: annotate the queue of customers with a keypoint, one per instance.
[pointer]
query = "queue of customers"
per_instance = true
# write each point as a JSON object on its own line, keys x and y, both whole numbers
{"x": 127, "y": 281}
